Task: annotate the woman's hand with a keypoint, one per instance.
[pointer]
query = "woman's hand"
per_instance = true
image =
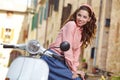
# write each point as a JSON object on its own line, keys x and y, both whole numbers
{"x": 79, "y": 74}
{"x": 75, "y": 75}
{"x": 82, "y": 74}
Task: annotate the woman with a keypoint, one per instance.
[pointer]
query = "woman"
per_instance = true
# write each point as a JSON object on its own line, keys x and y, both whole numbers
{"x": 79, "y": 30}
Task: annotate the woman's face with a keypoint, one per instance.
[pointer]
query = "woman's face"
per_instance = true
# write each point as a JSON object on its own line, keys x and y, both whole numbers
{"x": 82, "y": 17}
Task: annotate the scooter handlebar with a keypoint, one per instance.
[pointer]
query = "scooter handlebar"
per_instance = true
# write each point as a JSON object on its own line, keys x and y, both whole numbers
{"x": 51, "y": 54}
{"x": 8, "y": 46}
{"x": 33, "y": 47}
{"x": 18, "y": 46}
{"x": 61, "y": 58}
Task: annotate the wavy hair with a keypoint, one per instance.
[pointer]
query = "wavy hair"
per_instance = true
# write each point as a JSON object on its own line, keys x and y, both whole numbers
{"x": 89, "y": 29}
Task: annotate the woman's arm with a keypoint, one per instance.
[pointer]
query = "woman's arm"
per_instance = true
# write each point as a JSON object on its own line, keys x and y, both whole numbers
{"x": 68, "y": 32}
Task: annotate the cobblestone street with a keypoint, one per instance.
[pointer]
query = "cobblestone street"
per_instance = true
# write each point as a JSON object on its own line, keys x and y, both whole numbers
{"x": 100, "y": 77}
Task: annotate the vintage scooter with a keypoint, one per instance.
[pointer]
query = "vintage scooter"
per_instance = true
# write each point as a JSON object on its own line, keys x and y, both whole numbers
{"x": 31, "y": 67}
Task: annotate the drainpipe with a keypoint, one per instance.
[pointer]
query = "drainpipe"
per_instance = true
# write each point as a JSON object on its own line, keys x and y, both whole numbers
{"x": 45, "y": 39}
{"x": 30, "y": 12}
{"x": 97, "y": 35}
{"x": 37, "y": 28}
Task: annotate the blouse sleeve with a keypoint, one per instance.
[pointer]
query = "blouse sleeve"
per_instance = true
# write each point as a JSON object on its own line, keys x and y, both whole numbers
{"x": 68, "y": 32}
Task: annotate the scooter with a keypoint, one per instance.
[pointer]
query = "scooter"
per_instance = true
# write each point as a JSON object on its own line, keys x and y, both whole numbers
{"x": 30, "y": 67}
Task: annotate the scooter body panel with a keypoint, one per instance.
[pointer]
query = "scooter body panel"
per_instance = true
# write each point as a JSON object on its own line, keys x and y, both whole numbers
{"x": 28, "y": 68}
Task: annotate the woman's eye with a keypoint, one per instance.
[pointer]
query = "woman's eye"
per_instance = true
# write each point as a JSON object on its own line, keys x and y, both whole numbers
{"x": 85, "y": 17}
{"x": 79, "y": 14}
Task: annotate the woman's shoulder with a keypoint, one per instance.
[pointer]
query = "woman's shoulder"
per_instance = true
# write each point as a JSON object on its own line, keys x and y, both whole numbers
{"x": 71, "y": 23}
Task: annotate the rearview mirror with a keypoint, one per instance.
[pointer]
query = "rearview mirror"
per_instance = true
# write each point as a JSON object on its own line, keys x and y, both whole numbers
{"x": 65, "y": 46}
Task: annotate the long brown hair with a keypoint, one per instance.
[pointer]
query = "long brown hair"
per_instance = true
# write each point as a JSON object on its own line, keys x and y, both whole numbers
{"x": 89, "y": 29}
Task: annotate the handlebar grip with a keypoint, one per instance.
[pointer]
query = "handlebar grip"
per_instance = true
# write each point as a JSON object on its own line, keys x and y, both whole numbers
{"x": 61, "y": 58}
{"x": 8, "y": 46}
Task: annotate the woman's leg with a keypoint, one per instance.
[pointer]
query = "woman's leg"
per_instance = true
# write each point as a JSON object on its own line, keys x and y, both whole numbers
{"x": 58, "y": 69}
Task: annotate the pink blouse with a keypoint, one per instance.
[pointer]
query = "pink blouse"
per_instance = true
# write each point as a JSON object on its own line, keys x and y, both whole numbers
{"x": 71, "y": 33}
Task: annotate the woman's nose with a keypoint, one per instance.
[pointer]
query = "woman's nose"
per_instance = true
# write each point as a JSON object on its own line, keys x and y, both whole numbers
{"x": 81, "y": 18}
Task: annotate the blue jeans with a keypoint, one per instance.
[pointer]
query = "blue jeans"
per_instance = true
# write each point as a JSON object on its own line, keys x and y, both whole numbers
{"x": 58, "y": 69}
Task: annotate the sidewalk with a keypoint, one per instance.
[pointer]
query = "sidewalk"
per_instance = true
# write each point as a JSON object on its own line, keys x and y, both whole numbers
{"x": 101, "y": 77}
{"x": 93, "y": 77}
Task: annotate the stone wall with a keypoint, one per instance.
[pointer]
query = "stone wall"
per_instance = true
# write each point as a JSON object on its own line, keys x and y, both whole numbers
{"x": 107, "y": 43}
{"x": 113, "y": 58}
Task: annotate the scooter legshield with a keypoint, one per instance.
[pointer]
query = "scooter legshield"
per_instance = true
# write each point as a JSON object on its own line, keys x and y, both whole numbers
{"x": 27, "y": 68}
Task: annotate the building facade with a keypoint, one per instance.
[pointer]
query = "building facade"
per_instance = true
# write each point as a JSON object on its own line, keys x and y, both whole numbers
{"x": 42, "y": 19}
{"x": 104, "y": 52}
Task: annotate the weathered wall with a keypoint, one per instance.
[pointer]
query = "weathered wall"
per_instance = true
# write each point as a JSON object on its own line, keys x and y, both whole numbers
{"x": 107, "y": 42}
{"x": 113, "y": 58}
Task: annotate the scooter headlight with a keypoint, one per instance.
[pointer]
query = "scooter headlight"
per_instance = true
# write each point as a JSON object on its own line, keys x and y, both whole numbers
{"x": 33, "y": 47}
